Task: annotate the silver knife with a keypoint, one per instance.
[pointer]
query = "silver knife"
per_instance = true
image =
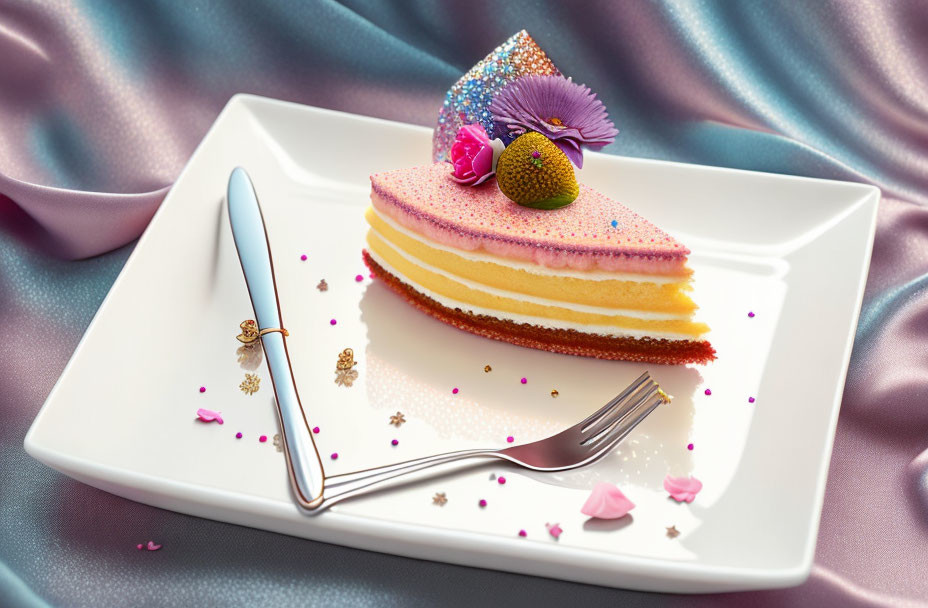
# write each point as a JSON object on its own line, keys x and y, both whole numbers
{"x": 254, "y": 251}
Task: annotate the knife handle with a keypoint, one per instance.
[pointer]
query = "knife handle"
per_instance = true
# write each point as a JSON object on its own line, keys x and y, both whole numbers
{"x": 254, "y": 251}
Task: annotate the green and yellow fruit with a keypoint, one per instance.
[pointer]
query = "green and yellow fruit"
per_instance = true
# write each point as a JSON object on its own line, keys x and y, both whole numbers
{"x": 534, "y": 172}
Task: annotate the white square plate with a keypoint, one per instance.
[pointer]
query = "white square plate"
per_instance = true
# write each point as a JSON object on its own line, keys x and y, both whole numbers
{"x": 794, "y": 251}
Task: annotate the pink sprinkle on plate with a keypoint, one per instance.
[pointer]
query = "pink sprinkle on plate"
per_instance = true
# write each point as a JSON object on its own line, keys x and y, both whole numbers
{"x": 334, "y": 456}
{"x": 524, "y": 380}
{"x": 202, "y": 389}
{"x": 303, "y": 257}
{"x": 482, "y": 503}
{"x": 751, "y": 399}
{"x": 708, "y": 392}
{"x": 262, "y": 438}
{"x": 332, "y": 322}
{"x": 501, "y": 480}
{"x": 316, "y": 430}
{"x": 682, "y": 489}
{"x": 523, "y": 533}
{"x": 395, "y": 442}
{"x": 206, "y": 415}
{"x": 454, "y": 391}
{"x": 510, "y": 439}
{"x": 555, "y": 530}
{"x": 689, "y": 446}
{"x": 238, "y": 435}
{"x": 359, "y": 278}
{"x": 607, "y": 501}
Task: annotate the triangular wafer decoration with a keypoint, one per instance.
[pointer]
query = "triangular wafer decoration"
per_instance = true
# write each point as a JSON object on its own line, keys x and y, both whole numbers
{"x": 468, "y": 101}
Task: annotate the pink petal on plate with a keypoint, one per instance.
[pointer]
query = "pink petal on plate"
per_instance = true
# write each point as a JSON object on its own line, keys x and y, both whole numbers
{"x": 209, "y": 415}
{"x": 152, "y": 546}
{"x": 606, "y": 501}
{"x": 554, "y": 530}
{"x": 682, "y": 489}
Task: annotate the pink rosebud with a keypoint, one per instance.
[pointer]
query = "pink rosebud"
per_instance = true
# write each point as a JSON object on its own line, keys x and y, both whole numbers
{"x": 471, "y": 156}
{"x": 682, "y": 489}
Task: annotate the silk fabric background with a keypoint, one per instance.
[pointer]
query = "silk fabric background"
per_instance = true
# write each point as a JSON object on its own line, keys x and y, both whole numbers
{"x": 101, "y": 104}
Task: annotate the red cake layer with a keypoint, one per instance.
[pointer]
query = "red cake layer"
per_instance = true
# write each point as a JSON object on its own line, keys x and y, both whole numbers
{"x": 566, "y": 341}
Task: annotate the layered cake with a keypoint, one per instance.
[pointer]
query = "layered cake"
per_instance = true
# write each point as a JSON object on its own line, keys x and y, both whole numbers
{"x": 503, "y": 242}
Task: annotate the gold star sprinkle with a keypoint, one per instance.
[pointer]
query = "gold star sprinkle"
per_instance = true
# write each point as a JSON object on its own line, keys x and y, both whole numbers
{"x": 672, "y": 532}
{"x": 554, "y": 393}
{"x": 397, "y": 419}
{"x": 277, "y": 444}
{"x": 250, "y": 384}
{"x": 439, "y": 499}
{"x": 487, "y": 369}
{"x": 322, "y": 286}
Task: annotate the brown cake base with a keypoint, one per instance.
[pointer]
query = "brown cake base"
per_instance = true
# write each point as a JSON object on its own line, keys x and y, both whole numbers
{"x": 566, "y": 341}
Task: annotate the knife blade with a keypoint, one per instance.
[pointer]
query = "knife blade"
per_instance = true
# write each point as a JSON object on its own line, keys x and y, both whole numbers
{"x": 307, "y": 476}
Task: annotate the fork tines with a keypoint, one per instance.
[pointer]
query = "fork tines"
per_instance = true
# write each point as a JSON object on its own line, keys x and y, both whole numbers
{"x": 612, "y": 422}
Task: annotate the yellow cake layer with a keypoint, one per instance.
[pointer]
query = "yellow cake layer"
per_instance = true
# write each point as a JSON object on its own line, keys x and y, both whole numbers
{"x": 632, "y": 295}
{"x": 455, "y": 290}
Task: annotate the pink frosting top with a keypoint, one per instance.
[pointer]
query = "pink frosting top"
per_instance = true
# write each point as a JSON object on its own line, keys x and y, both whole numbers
{"x": 580, "y": 235}
{"x": 607, "y": 502}
{"x": 682, "y": 489}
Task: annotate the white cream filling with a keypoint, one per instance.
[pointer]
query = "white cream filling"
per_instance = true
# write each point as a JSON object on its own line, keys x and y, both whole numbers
{"x": 472, "y": 256}
{"x": 604, "y": 330}
{"x": 596, "y": 310}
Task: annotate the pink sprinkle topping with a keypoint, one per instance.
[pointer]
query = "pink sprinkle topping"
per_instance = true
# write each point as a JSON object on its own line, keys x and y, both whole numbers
{"x": 334, "y": 456}
{"x": 454, "y": 391}
{"x": 536, "y": 154}
{"x": 708, "y": 392}
{"x": 333, "y": 322}
{"x": 523, "y": 533}
{"x": 395, "y": 442}
{"x": 554, "y": 530}
{"x": 689, "y": 447}
{"x": 262, "y": 438}
{"x": 510, "y": 439}
{"x": 751, "y": 315}
{"x": 524, "y": 380}
{"x": 482, "y": 503}
{"x": 303, "y": 257}
{"x": 202, "y": 389}
{"x": 500, "y": 480}
{"x": 152, "y": 546}
{"x": 238, "y": 435}
{"x": 140, "y": 546}
{"x": 209, "y": 415}
{"x": 316, "y": 430}
{"x": 750, "y": 399}
{"x": 358, "y": 278}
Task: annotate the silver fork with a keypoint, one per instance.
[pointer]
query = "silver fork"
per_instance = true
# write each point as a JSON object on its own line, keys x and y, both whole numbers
{"x": 583, "y": 443}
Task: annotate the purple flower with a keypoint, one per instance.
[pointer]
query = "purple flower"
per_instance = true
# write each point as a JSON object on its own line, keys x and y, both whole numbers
{"x": 472, "y": 156}
{"x": 566, "y": 113}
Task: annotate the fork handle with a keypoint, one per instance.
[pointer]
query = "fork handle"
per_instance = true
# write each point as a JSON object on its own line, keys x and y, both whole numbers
{"x": 343, "y": 486}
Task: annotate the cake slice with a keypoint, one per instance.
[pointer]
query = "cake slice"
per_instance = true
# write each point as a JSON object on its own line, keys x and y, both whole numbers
{"x": 592, "y": 278}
